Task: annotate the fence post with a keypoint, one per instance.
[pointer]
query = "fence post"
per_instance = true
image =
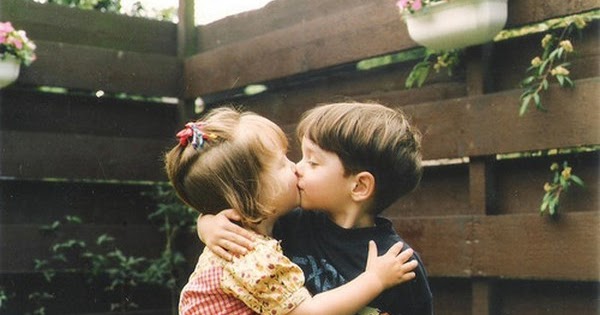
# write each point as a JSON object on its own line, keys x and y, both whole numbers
{"x": 186, "y": 46}
{"x": 481, "y": 178}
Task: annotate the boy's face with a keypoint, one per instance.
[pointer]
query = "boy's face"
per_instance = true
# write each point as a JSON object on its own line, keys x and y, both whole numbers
{"x": 321, "y": 179}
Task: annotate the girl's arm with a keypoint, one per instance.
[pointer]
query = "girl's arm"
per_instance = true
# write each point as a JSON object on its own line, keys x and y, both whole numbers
{"x": 222, "y": 236}
{"x": 381, "y": 273}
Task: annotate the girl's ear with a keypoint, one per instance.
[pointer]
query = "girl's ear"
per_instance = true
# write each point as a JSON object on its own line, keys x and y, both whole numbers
{"x": 364, "y": 186}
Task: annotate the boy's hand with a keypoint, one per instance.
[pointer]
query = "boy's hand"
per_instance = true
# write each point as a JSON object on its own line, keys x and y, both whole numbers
{"x": 393, "y": 267}
{"x": 223, "y": 237}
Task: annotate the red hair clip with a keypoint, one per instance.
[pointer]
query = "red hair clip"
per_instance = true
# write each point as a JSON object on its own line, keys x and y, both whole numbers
{"x": 192, "y": 130}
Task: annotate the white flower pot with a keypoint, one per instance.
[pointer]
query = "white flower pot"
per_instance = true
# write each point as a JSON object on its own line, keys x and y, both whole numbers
{"x": 9, "y": 70}
{"x": 457, "y": 23}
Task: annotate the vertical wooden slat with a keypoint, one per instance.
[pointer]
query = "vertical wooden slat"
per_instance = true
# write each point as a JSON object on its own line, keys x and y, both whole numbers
{"x": 480, "y": 173}
{"x": 186, "y": 46}
{"x": 483, "y": 295}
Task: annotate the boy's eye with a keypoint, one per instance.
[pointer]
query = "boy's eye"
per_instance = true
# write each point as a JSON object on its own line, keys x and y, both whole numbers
{"x": 311, "y": 163}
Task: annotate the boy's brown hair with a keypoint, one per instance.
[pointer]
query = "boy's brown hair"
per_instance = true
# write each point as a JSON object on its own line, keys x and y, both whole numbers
{"x": 369, "y": 137}
{"x": 226, "y": 170}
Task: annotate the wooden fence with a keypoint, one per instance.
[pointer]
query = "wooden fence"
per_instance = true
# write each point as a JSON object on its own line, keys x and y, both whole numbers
{"x": 474, "y": 220}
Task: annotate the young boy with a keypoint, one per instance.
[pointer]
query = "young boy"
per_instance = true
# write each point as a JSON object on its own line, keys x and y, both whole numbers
{"x": 357, "y": 159}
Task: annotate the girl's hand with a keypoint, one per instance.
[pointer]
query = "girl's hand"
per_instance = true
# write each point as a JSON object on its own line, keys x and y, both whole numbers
{"x": 393, "y": 267}
{"x": 223, "y": 237}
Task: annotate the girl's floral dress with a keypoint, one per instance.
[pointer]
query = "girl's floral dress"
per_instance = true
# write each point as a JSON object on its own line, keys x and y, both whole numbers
{"x": 263, "y": 281}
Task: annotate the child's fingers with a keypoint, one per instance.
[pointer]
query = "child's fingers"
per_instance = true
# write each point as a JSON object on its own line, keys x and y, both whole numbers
{"x": 395, "y": 249}
{"x": 231, "y": 215}
{"x": 219, "y": 251}
{"x": 408, "y": 276}
{"x": 372, "y": 254}
{"x": 406, "y": 254}
{"x": 234, "y": 247}
{"x": 409, "y": 266}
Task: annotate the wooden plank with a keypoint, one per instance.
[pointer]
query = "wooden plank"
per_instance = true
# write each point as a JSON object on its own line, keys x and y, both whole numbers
{"x": 59, "y": 23}
{"x": 338, "y": 38}
{"x": 451, "y": 296}
{"x": 548, "y": 298}
{"x": 74, "y": 294}
{"x": 25, "y": 110}
{"x": 534, "y": 247}
{"x": 444, "y": 243}
{"x": 510, "y": 246}
{"x": 284, "y": 104}
{"x": 22, "y": 243}
{"x": 473, "y": 126}
{"x": 484, "y": 298}
{"x": 520, "y": 183}
{"x": 490, "y": 124}
{"x": 94, "y": 203}
{"x": 521, "y": 12}
{"x": 450, "y": 186}
{"x": 88, "y": 68}
{"x": 275, "y": 15}
{"x": 40, "y": 155}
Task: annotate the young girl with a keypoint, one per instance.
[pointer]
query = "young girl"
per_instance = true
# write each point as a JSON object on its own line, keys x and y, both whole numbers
{"x": 234, "y": 159}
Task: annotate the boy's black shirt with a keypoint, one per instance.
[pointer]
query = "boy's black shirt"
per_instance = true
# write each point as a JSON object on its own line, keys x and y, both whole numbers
{"x": 330, "y": 256}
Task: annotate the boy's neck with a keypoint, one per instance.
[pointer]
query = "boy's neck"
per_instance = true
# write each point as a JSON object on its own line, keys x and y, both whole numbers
{"x": 352, "y": 219}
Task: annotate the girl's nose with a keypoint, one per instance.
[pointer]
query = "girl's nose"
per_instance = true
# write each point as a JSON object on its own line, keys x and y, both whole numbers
{"x": 299, "y": 168}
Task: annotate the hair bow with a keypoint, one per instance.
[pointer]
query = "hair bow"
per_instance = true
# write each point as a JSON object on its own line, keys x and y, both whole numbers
{"x": 192, "y": 130}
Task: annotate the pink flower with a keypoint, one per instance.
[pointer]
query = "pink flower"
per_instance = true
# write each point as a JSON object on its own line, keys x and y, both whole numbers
{"x": 15, "y": 42}
{"x": 6, "y": 27}
{"x": 18, "y": 43}
{"x": 402, "y": 4}
{"x": 417, "y": 5}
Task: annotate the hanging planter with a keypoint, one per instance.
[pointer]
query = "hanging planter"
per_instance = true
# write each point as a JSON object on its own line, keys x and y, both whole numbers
{"x": 9, "y": 70}
{"x": 15, "y": 49}
{"x": 444, "y": 25}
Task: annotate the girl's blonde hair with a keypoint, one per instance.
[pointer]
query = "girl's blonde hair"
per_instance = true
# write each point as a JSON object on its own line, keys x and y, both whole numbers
{"x": 228, "y": 169}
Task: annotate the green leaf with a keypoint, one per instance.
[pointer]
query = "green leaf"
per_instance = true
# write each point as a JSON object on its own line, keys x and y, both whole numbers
{"x": 537, "y": 101}
{"x": 577, "y": 180}
{"x": 524, "y": 104}
{"x": 543, "y": 66}
{"x": 569, "y": 82}
{"x": 544, "y": 205}
{"x": 528, "y": 80}
{"x": 560, "y": 79}
{"x": 73, "y": 219}
{"x": 104, "y": 238}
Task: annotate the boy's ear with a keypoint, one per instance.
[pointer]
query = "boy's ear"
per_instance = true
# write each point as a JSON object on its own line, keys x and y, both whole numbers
{"x": 364, "y": 186}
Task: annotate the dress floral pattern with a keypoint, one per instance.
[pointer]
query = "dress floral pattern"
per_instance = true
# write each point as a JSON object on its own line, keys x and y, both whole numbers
{"x": 265, "y": 281}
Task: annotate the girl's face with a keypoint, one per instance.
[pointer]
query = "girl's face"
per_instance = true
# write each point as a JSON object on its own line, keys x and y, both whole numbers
{"x": 283, "y": 172}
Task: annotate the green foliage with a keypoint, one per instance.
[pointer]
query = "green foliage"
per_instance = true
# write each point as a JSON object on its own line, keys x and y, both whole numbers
{"x": 100, "y": 5}
{"x": 562, "y": 179}
{"x": 552, "y": 63}
{"x": 436, "y": 60}
{"x": 389, "y": 59}
{"x": 104, "y": 260}
{"x": 3, "y": 297}
{"x": 114, "y": 6}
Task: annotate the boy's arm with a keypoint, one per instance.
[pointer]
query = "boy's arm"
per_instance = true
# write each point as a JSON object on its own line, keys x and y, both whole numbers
{"x": 381, "y": 273}
{"x": 223, "y": 237}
